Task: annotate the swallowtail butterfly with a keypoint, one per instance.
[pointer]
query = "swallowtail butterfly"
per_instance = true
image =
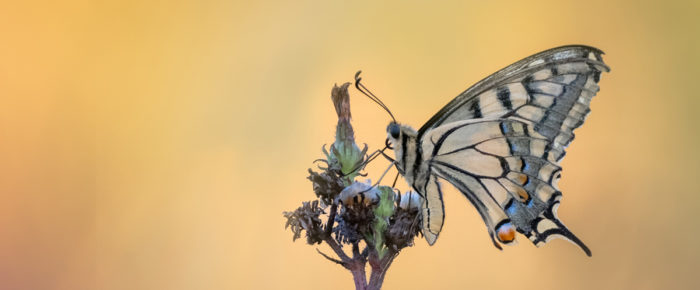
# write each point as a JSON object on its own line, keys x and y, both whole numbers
{"x": 500, "y": 143}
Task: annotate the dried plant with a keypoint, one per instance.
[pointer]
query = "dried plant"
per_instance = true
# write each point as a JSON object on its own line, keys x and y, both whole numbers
{"x": 374, "y": 222}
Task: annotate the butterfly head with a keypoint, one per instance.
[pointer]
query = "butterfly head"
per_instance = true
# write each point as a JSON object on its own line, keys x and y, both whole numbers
{"x": 393, "y": 131}
{"x": 396, "y": 132}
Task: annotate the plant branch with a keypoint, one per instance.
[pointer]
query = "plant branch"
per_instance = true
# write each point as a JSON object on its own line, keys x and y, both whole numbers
{"x": 379, "y": 269}
{"x": 331, "y": 219}
{"x": 356, "y": 251}
{"x": 330, "y": 258}
{"x": 359, "y": 277}
{"x": 338, "y": 250}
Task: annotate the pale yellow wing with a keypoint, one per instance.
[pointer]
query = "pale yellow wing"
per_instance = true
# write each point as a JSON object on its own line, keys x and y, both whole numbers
{"x": 505, "y": 169}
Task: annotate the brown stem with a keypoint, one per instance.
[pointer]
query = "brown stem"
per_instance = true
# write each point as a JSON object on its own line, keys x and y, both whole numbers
{"x": 379, "y": 269}
{"x": 359, "y": 276}
{"x": 334, "y": 260}
{"x": 331, "y": 219}
{"x": 356, "y": 264}
{"x": 356, "y": 252}
{"x": 338, "y": 250}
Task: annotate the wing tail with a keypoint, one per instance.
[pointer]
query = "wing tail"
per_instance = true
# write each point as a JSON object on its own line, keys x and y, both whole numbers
{"x": 548, "y": 226}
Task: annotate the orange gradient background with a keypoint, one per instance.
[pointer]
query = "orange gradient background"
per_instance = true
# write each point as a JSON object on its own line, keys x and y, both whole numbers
{"x": 154, "y": 145}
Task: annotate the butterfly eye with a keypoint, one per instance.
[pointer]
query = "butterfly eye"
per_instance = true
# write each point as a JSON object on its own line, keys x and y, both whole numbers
{"x": 394, "y": 131}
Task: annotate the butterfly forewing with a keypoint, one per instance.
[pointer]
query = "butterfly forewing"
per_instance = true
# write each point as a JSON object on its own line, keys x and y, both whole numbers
{"x": 552, "y": 90}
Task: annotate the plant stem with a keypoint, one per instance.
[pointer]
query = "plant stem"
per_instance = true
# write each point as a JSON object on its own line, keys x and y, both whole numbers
{"x": 359, "y": 276}
{"x": 331, "y": 219}
{"x": 356, "y": 264}
{"x": 379, "y": 269}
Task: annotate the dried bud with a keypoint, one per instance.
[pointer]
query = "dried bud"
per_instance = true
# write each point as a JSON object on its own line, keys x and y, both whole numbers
{"x": 357, "y": 212}
{"x": 341, "y": 101}
{"x": 306, "y": 218}
{"x": 404, "y": 224}
{"x": 327, "y": 185}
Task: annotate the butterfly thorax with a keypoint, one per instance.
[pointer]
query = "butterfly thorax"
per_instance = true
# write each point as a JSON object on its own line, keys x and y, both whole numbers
{"x": 404, "y": 141}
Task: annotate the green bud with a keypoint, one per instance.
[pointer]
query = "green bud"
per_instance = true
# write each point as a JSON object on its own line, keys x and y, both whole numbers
{"x": 384, "y": 210}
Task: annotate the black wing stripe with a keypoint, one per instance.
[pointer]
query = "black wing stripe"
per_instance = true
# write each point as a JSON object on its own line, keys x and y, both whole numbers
{"x": 476, "y": 109}
{"x": 504, "y": 97}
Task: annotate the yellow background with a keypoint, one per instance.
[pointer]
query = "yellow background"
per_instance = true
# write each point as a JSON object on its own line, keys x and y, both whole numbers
{"x": 154, "y": 145}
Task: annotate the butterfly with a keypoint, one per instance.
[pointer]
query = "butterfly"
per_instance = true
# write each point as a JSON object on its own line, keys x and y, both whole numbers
{"x": 500, "y": 143}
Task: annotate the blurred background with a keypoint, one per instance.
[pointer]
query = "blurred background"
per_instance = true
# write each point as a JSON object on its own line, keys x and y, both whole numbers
{"x": 154, "y": 145}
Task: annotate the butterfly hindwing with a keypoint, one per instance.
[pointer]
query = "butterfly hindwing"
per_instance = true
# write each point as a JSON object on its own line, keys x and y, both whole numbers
{"x": 500, "y": 166}
{"x": 433, "y": 209}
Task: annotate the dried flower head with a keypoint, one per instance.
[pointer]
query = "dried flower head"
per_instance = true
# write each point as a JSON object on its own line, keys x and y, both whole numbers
{"x": 356, "y": 212}
{"x": 404, "y": 224}
{"x": 327, "y": 184}
{"x": 306, "y": 217}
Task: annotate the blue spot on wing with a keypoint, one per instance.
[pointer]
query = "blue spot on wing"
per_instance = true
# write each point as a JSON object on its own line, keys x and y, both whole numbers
{"x": 504, "y": 128}
{"x": 512, "y": 209}
{"x": 530, "y": 202}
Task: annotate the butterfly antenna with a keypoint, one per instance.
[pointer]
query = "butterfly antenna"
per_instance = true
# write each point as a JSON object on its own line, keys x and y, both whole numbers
{"x": 364, "y": 90}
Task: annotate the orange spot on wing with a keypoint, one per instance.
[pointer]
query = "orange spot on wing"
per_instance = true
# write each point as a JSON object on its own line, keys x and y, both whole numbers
{"x": 522, "y": 178}
{"x": 506, "y": 233}
{"x": 523, "y": 195}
